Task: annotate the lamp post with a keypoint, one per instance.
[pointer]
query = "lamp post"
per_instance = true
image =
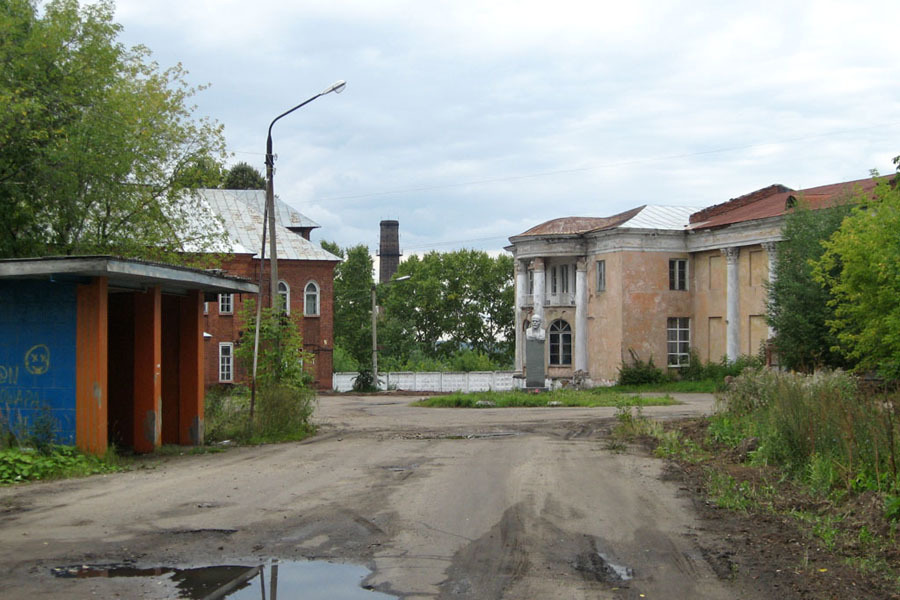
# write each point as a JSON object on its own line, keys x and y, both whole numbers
{"x": 375, "y": 328}
{"x": 269, "y": 217}
{"x": 337, "y": 88}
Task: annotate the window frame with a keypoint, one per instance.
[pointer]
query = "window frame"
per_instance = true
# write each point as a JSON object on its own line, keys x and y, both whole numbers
{"x": 678, "y": 332}
{"x": 678, "y": 274}
{"x": 559, "y": 338}
{"x": 226, "y": 362}
{"x": 318, "y": 299}
{"x": 600, "y": 271}
{"x": 226, "y": 304}
{"x": 286, "y": 295}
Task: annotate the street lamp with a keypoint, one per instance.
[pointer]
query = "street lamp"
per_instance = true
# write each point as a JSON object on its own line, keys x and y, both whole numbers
{"x": 269, "y": 216}
{"x": 375, "y": 328}
{"x": 337, "y": 88}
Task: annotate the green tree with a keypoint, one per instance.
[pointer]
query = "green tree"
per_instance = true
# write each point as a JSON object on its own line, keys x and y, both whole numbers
{"x": 96, "y": 142}
{"x": 861, "y": 267}
{"x": 243, "y": 177}
{"x": 798, "y": 306}
{"x": 453, "y": 301}
{"x": 353, "y": 302}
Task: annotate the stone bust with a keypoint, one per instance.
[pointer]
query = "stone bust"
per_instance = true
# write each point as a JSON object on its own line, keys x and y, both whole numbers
{"x": 535, "y": 332}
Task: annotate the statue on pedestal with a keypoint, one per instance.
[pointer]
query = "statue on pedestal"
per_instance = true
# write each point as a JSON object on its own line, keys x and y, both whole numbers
{"x": 534, "y": 354}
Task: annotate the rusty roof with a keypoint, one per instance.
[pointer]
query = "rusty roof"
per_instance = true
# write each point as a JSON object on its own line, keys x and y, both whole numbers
{"x": 579, "y": 225}
{"x": 776, "y": 200}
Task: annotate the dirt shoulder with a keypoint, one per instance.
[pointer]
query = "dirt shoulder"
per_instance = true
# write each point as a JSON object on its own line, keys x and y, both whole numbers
{"x": 437, "y": 503}
{"x": 799, "y": 545}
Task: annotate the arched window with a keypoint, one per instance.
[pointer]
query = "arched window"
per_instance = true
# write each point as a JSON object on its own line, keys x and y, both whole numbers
{"x": 560, "y": 343}
{"x": 311, "y": 300}
{"x": 284, "y": 291}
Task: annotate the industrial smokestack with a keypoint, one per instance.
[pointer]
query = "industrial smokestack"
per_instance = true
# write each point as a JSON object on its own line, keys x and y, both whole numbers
{"x": 389, "y": 250}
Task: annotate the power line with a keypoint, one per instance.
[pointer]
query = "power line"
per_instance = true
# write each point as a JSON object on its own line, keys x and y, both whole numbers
{"x": 622, "y": 163}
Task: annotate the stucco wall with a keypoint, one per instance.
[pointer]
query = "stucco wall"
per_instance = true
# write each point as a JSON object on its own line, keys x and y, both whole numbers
{"x": 708, "y": 327}
{"x": 648, "y": 303}
{"x": 37, "y": 353}
{"x": 604, "y": 317}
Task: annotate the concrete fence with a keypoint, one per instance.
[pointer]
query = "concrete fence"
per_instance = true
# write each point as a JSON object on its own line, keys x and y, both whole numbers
{"x": 475, "y": 381}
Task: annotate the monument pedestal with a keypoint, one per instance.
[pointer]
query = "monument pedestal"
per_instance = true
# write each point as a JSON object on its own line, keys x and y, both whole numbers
{"x": 535, "y": 378}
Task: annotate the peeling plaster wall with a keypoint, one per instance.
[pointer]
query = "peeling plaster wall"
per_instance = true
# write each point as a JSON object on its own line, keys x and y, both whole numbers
{"x": 604, "y": 318}
{"x": 708, "y": 327}
{"x": 648, "y": 302}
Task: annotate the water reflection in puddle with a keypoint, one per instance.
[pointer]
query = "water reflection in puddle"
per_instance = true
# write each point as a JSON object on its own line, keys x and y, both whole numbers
{"x": 311, "y": 580}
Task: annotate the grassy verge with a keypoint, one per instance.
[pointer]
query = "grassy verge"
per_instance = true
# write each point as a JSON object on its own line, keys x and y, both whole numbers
{"x": 703, "y": 386}
{"x": 569, "y": 398}
{"x": 814, "y": 457}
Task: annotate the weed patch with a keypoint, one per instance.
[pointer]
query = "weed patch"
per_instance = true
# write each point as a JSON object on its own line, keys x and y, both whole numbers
{"x": 19, "y": 465}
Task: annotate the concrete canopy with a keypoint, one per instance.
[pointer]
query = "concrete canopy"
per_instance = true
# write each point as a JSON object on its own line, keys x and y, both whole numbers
{"x": 125, "y": 273}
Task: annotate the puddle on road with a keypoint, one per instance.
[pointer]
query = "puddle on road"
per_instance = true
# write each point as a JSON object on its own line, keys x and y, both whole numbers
{"x": 601, "y": 568}
{"x": 311, "y": 580}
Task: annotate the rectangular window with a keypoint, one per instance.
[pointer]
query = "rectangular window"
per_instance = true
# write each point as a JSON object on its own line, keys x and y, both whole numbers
{"x": 226, "y": 304}
{"x": 553, "y": 280}
{"x": 530, "y": 283}
{"x": 601, "y": 275}
{"x": 226, "y": 362}
{"x": 678, "y": 338}
{"x": 678, "y": 274}
{"x": 564, "y": 279}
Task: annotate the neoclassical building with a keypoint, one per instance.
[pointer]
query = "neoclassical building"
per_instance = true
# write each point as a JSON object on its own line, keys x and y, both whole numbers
{"x": 655, "y": 281}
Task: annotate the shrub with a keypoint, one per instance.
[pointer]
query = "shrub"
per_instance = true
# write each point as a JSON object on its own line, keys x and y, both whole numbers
{"x": 365, "y": 381}
{"x": 820, "y": 427}
{"x": 640, "y": 372}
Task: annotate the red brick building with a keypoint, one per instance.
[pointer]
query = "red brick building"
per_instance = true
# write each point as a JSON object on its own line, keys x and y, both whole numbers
{"x": 305, "y": 273}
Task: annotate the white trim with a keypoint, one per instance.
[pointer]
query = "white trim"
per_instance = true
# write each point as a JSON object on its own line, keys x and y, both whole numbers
{"x": 681, "y": 357}
{"x": 226, "y": 304}
{"x": 306, "y": 293}
{"x": 286, "y": 295}
{"x": 226, "y": 362}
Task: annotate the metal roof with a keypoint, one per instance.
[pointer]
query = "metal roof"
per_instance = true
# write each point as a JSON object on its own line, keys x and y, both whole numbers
{"x": 242, "y": 211}
{"x": 777, "y": 202}
{"x": 661, "y": 217}
{"x": 642, "y": 217}
{"x": 124, "y": 273}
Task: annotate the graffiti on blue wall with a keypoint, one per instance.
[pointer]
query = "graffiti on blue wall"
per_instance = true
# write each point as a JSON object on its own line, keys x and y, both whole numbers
{"x": 37, "y": 356}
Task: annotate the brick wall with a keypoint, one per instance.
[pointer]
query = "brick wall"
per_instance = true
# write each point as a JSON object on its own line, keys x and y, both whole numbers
{"x": 317, "y": 330}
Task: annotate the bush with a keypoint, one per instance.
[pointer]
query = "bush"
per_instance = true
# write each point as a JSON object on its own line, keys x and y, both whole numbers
{"x": 25, "y": 464}
{"x": 365, "y": 381}
{"x": 820, "y": 427}
{"x": 640, "y": 372}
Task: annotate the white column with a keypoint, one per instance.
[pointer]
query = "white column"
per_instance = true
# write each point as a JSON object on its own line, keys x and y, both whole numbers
{"x": 772, "y": 254}
{"x": 538, "y": 267}
{"x": 521, "y": 294}
{"x": 581, "y": 300}
{"x": 733, "y": 306}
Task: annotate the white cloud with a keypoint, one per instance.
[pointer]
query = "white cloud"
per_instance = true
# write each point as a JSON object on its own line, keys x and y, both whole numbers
{"x": 557, "y": 109}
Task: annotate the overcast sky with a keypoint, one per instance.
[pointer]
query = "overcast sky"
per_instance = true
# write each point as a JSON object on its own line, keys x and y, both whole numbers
{"x": 471, "y": 121}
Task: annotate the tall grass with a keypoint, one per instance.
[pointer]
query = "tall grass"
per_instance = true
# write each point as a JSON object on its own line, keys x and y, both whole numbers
{"x": 282, "y": 413}
{"x": 821, "y": 427}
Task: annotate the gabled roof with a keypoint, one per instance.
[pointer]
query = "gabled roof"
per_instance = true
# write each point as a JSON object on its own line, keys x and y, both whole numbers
{"x": 777, "y": 200}
{"x": 642, "y": 217}
{"x": 242, "y": 212}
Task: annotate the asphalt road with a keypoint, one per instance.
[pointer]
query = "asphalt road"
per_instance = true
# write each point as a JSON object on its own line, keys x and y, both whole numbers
{"x": 438, "y": 503}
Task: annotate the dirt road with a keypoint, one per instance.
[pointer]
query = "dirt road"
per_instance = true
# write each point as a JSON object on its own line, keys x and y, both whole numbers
{"x": 438, "y": 503}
